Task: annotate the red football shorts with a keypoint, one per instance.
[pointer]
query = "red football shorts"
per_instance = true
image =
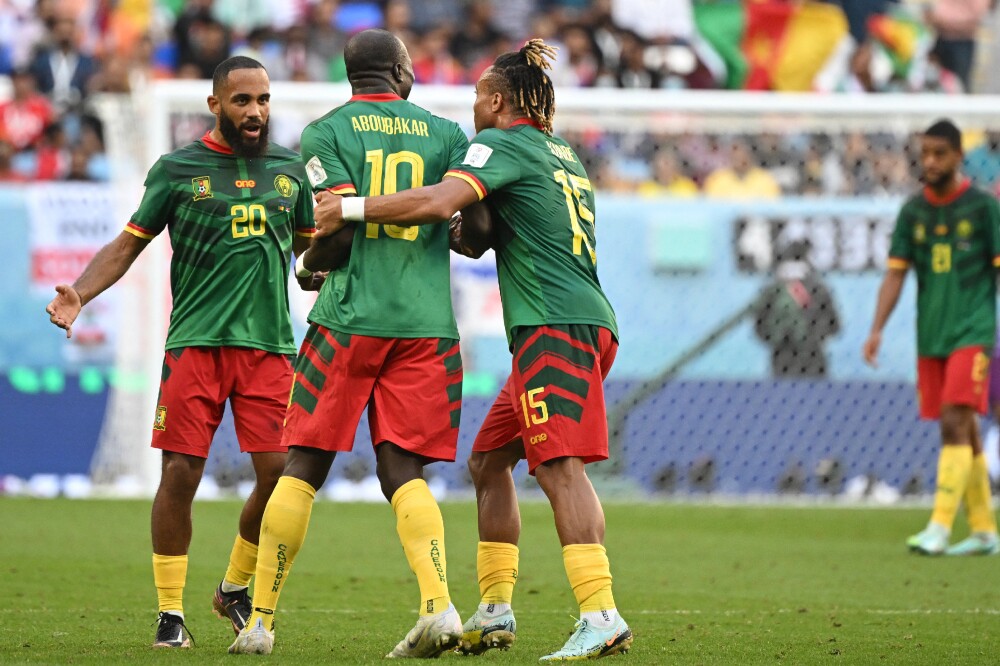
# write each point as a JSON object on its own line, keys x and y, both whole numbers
{"x": 195, "y": 385}
{"x": 553, "y": 401}
{"x": 412, "y": 388}
{"x": 959, "y": 379}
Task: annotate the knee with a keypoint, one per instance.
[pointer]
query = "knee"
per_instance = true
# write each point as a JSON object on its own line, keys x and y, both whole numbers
{"x": 396, "y": 467}
{"x": 955, "y": 425}
{"x": 562, "y": 473}
{"x": 478, "y": 466}
{"x": 309, "y": 465}
{"x": 180, "y": 472}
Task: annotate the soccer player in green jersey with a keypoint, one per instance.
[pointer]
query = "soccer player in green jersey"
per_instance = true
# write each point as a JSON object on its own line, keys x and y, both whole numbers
{"x": 235, "y": 206}
{"x": 382, "y": 338}
{"x": 950, "y": 234}
{"x": 562, "y": 333}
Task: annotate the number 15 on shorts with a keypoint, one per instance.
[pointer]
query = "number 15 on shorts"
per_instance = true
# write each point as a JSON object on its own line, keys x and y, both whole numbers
{"x": 535, "y": 411}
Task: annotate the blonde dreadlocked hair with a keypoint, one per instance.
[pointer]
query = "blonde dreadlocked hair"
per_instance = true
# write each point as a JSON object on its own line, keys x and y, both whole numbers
{"x": 522, "y": 79}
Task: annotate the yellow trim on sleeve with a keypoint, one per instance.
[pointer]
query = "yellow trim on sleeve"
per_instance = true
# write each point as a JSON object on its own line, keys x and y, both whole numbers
{"x": 900, "y": 264}
{"x": 135, "y": 232}
{"x": 471, "y": 181}
{"x": 306, "y": 233}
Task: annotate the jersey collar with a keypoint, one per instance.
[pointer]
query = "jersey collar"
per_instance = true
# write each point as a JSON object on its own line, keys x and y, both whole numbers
{"x": 212, "y": 144}
{"x": 377, "y": 97}
{"x": 526, "y": 121}
{"x": 935, "y": 200}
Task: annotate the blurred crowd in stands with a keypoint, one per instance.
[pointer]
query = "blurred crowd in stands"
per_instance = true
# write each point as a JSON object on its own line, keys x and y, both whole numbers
{"x": 57, "y": 54}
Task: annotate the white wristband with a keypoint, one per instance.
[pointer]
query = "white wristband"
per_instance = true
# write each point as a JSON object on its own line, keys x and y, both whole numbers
{"x": 352, "y": 209}
{"x": 300, "y": 267}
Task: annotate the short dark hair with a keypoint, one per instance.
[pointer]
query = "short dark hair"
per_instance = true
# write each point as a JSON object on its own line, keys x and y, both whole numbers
{"x": 373, "y": 53}
{"x": 229, "y": 65}
{"x": 947, "y": 130}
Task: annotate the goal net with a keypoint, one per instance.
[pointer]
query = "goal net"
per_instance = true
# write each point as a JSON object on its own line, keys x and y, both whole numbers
{"x": 742, "y": 238}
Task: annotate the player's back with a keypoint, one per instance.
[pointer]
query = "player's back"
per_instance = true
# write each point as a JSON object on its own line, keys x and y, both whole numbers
{"x": 396, "y": 282}
{"x": 544, "y": 211}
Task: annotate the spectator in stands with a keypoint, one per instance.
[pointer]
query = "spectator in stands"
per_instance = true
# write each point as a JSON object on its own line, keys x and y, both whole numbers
{"x": 982, "y": 163}
{"x": 795, "y": 315}
{"x": 433, "y": 62}
{"x": 7, "y": 172}
{"x": 209, "y": 46}
{"x": 668, "y": 179}
{"x": 61, "y": 69}
{"x": 577, "y": 62}
{"x": 743, "y": 179}
{"x": 631, "y": 70}
{"x": 50, "y": 160}
{"x": 956, "y": 23}
{"x": 473, "y": 39}
{"x": 26, "y": 114}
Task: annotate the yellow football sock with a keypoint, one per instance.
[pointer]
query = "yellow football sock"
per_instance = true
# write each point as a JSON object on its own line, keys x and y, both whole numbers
{"x": 496, "y": 563}
{"x": 282, "y": 532}
{"x": 169, "y": 574}
{"x": 978, "y": 503}
{"x": 589, "y": 574}
{"x": 954, "y": 466}
{"x": 242, "y": 562}
{"x": 421, "y": 531}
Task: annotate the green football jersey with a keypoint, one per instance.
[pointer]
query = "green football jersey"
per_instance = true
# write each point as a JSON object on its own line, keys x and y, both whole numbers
{"x": 231, "y": 221}
{"x": 543, "y": 211}
{"x": 397, "y": 281}
{"x": 954, "y": 248}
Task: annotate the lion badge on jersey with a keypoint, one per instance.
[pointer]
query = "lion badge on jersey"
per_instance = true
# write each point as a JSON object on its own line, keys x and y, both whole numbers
{"x": 202, "y": 186}
{"x": 283, "y": 184}
{"x": 160, "y": 421}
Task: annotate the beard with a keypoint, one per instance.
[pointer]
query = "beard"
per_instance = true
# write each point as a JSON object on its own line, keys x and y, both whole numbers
{"x": 234, "y": 136}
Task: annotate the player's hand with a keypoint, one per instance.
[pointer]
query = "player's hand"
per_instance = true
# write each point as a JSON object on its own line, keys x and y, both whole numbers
{"x": 455, "y": 236}
{"x": 312, "y": 282}
{"x": 64, "y": 308}
{"x": 328, "y": 214}
{"x": 870, "y": 349}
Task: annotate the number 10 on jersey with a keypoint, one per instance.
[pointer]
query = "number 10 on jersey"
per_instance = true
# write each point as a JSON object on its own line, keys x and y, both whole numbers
{"x": 384, "y": 181}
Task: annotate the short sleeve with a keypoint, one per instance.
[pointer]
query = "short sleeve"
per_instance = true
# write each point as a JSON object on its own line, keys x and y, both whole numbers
{"x": 459, "y": 147}
{"x": 489, "y": 164}
{"x": 901, "y": 245}
{"x": 150, "y": 219}
{"x": 324, "y": 170}
{"x": 993, "y": 222}
{"x": 302, "y": 214}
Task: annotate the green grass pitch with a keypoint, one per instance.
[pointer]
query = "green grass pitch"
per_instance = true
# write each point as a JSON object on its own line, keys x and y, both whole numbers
{"x": 698, "y": 585}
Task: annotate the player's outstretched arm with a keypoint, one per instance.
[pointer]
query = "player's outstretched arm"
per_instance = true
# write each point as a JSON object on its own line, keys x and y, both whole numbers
{"x": 888, "y": 296}
{"x": 107, "y": 267}
{"x": 423, "y": 205}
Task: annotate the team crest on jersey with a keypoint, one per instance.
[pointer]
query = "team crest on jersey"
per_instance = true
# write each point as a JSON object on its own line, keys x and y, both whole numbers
{"x": 964, "y": 229}
{"x": 477, "y": 155}
{"x": 919, "y": 233}
{"x": 283, "y": 184}
{"x": 160, "y": 421}
{"x": 202, "y": 186}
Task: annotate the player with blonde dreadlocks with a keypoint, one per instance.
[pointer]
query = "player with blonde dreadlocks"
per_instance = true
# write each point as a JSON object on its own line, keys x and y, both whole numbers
{"x": 562, "y": 333}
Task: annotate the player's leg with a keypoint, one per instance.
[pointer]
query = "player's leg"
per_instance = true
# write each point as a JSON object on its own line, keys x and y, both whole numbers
{"x": 171, "y": 531}
{"x": 559, "y": 373}
{"x": 933, "y": 539}
{"x": 495, "y": 453}
{"x": 983, "y": 539}
{"x": 189, "y": 409}
{"x": 331, "y": 386}
{"x": 259, "y": 398}
{"x": 414, "y": 416}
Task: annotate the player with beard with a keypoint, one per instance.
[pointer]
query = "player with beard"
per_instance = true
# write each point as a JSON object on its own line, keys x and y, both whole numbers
{"x": 950, "y": 234}
{"x": 236, "y": 207}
